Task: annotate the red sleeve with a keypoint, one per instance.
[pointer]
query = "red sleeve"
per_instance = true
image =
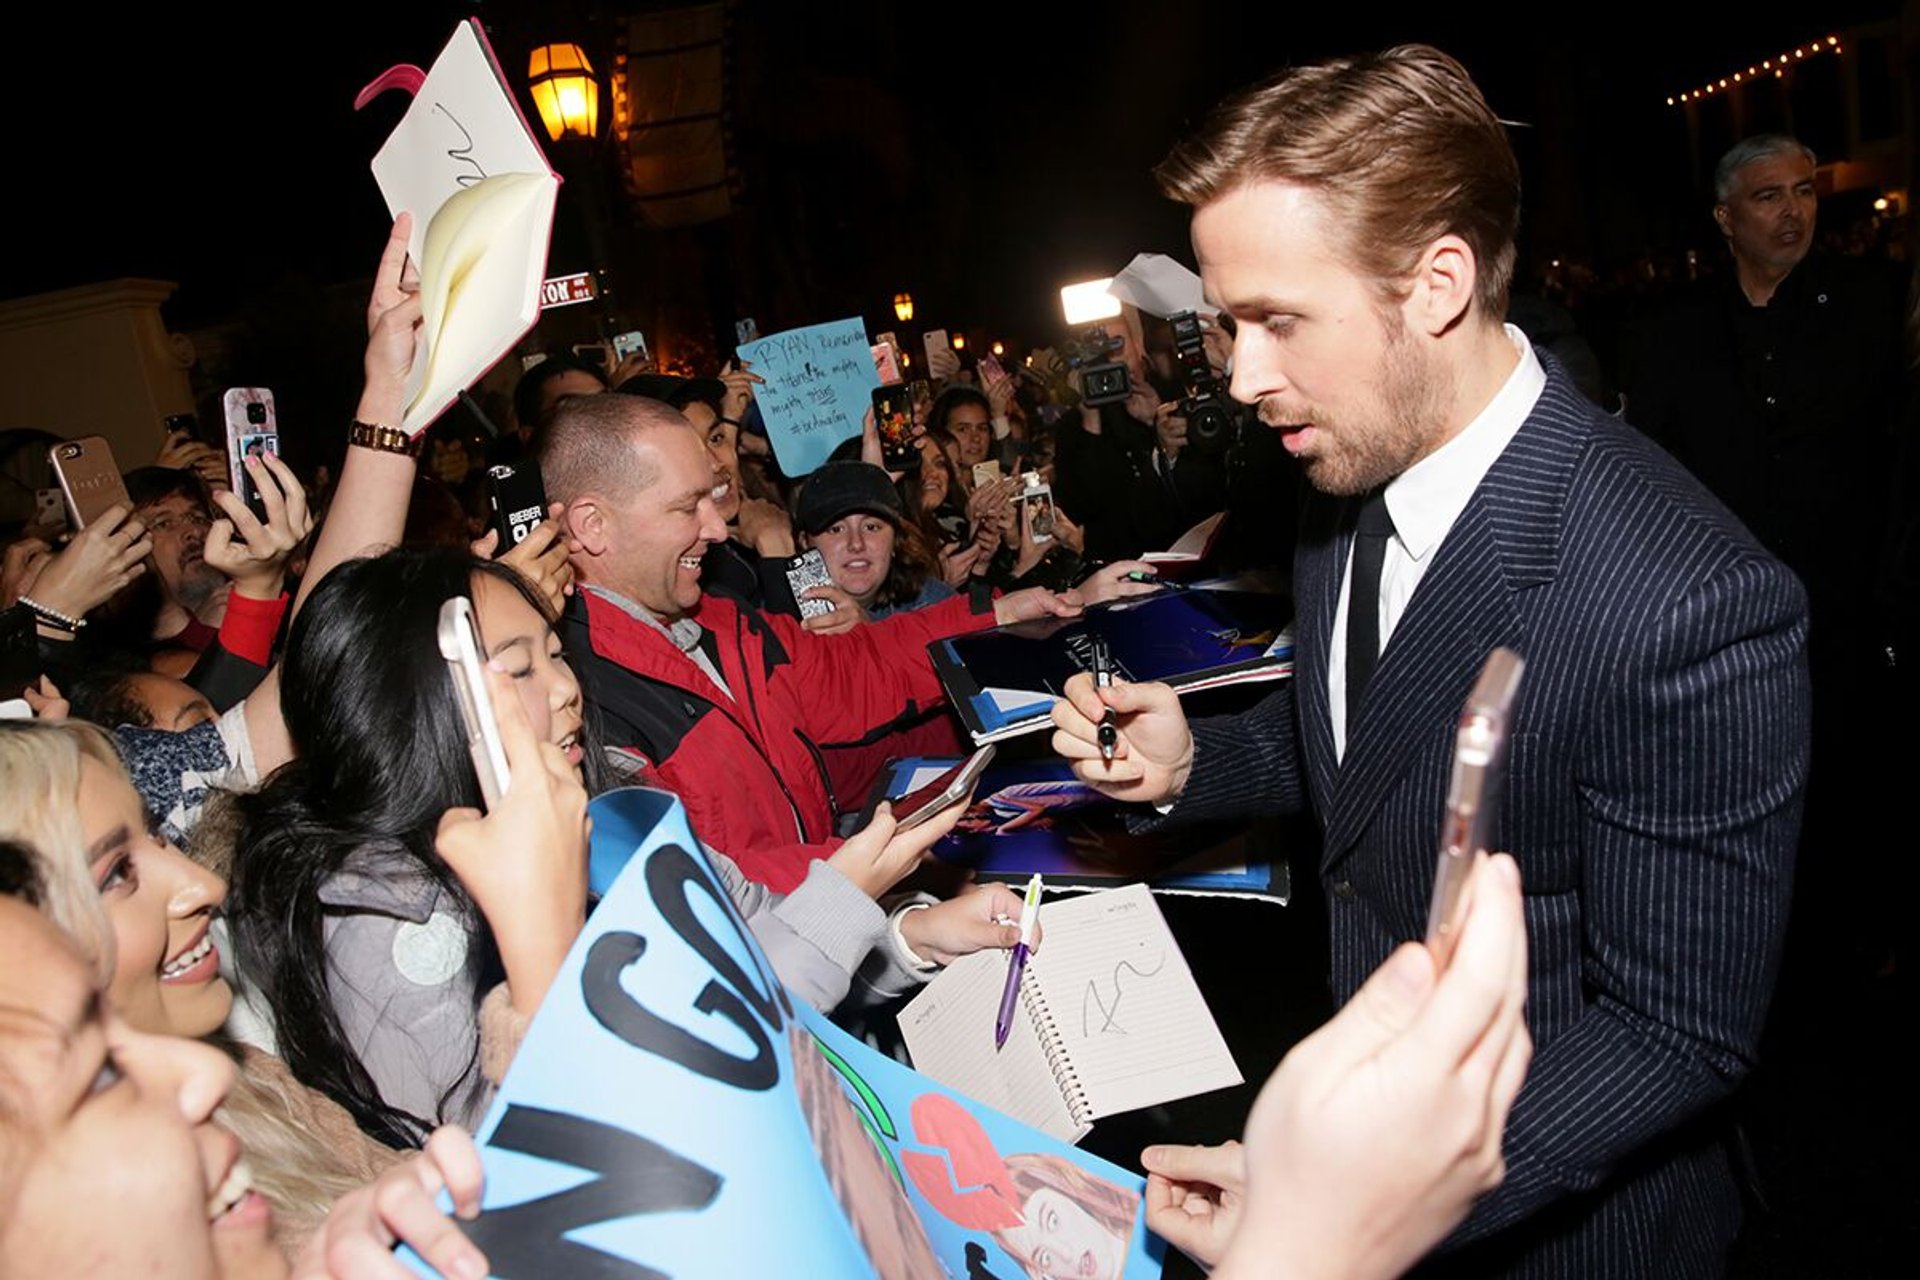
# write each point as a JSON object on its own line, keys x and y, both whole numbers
{"x": 845, "y": 686}
{"x": 250, "y": 626}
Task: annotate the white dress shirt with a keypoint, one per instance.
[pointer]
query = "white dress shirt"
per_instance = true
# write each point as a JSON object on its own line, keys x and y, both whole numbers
{"x": 1424, "y": 501}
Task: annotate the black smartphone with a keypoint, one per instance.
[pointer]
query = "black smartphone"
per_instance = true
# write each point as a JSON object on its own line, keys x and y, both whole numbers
{"x": 517, "y": 500}
{"x": 893, "y": 419}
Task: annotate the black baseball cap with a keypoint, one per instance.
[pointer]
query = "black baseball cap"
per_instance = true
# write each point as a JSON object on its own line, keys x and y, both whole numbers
{"x": 838, "y": 489}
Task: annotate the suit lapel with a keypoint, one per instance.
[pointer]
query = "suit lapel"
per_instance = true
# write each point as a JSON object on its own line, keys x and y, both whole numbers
{"x": 1505, "y": 541}
{"x": 1321, "y": 561}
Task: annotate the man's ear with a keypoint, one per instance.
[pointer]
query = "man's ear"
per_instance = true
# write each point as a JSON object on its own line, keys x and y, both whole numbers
{"x": 1723, "y": 218}
{"x": 589, "y": 525}
{"x": 1443, "y": 286}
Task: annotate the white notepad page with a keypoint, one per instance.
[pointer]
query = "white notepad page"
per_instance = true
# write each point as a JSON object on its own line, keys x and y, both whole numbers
{"x": 1131, "y": 1019}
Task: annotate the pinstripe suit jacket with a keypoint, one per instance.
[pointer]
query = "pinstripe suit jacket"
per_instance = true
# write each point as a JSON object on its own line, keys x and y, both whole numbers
{"x": 1653, "y": 803}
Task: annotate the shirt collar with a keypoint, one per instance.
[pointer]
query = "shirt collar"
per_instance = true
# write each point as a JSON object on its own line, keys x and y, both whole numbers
{"x": 685, "y": 633}
{"x": 1426, "y": 498}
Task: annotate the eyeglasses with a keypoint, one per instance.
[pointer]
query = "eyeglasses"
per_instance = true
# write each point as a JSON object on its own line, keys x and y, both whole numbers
{"x": 179, "y": 522}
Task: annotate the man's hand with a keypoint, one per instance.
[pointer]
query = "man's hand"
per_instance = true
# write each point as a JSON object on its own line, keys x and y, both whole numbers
{"x": 401, "y": 1206}
{"x": 540, "y": 557}
{"x": 1034, "y": 603}
{"x": 257, "y": 563}
{"x": 1170, "y": 428}
{"x": 974, "y": 921}
{"x": 525, "y": 863}
{"x": 86, "y": 573}
{"x": 183, "y": 453}
{"x": 845, "y": 616}
{"x": 1154, "y": 752}
{"x": 1195, "y": 1196}
{"x": 1110, "y": 583}
{"x": 877, "y": 857}
{"x": 1377, "y": 1133}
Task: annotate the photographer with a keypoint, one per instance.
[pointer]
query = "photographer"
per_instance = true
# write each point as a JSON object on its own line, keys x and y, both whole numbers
{"x": 1112, "y": 475}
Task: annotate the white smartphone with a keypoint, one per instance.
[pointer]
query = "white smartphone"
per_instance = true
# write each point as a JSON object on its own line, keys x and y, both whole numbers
{"x": 1038, "y": 497}
{"x": 460, "y": 646}
{"x": 950, "y": 788}
{"x": 1473, "y": 792}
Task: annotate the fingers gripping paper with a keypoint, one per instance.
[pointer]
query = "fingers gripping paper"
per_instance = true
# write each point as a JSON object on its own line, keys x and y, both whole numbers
{"x": 673, "y": 1112}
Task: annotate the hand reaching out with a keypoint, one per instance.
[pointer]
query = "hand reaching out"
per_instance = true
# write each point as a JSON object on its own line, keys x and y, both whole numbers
{"x": 1195, "y": 1196}
{"x": 86, "y": 573}
{"x": 401, "y": 1206}
{"x": 878, "y": 856}
{"x": 1155, "y": 750}
{"x": 976, "y": 920}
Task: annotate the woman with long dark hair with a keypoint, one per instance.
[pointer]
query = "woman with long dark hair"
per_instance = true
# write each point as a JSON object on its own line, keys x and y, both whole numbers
{"x": 367, "y": 945}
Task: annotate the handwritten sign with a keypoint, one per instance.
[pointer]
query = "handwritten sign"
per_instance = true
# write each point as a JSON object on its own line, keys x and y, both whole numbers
{"x": 819, "y": 384}
{"x": 673, "y": 1112}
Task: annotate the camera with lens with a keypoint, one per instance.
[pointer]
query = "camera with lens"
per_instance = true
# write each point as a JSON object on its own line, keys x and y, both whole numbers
{"x": 1103, "y": 380}
{"x": 1205, "y": 403}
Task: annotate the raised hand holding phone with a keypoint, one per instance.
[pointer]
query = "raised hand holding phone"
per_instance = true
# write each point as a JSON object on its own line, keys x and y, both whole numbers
{"x": 525, "y": 861}
{"x": 253, "y": 549}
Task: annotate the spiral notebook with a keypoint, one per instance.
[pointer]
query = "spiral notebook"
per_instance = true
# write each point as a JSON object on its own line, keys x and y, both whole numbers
{"x": 1111, "y": 1020}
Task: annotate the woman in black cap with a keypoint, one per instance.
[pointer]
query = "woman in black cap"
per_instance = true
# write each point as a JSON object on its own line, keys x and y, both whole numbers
{"x": 878, "y": 559}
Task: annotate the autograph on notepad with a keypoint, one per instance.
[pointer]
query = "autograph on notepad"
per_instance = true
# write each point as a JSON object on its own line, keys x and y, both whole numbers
{"x": 1091, "y": 999}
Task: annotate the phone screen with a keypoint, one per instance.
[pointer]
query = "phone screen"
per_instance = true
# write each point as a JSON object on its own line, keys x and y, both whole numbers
{"x": 950, "y": 788}
{"x": 893, "y": 421}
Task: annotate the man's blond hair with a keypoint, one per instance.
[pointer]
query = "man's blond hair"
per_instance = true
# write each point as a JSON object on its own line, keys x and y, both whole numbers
{"x": 1400, "y": 148}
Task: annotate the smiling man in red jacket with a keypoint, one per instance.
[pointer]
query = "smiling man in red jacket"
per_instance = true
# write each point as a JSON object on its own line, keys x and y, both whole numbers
{"x": 699, "y": 691}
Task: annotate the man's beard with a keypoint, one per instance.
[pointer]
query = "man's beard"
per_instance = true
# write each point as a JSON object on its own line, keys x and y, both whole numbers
{"x": 1352, "y": 457}
{"x": 199, "y": 583}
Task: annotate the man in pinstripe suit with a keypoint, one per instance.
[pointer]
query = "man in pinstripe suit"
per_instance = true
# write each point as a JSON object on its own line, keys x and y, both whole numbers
{"x": 1356, "y": 220}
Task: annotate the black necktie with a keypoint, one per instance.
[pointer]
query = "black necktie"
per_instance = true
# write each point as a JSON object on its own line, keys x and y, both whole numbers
{"x": 1363, "y": 599}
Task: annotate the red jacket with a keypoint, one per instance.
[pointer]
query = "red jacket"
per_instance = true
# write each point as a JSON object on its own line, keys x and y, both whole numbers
{"x": 748, "y": 767}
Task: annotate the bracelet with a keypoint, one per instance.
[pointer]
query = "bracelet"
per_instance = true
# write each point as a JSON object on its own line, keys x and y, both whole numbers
{"x": 52, "y": 617}
{"x": 367, "y": 435}
{"x": 899, "y": 939}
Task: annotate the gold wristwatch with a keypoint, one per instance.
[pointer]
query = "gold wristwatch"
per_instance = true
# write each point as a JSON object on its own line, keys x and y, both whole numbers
{"x": 366, "y": 435}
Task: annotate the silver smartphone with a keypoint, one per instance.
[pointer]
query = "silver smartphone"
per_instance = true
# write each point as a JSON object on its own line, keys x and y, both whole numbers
{"x": 950, "y": 788}
{"x": 1473, "y": 792}
{"x": 460, "y": 645}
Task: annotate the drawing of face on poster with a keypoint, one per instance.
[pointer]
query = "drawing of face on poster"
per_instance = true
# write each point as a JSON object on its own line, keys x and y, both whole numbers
{"x": 876, "y": 1207}
{"x": 1055, "y": 1219}
{"x": 1073, "y": 1224}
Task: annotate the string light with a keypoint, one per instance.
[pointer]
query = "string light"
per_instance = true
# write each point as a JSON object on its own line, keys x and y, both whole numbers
{"x": 1738, "y": 78}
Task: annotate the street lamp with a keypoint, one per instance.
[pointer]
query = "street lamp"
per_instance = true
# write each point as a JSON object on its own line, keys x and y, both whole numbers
{"x": 959, "y": 342}
{"x": 564, "y": 89}
{"x": 903, "y": 307}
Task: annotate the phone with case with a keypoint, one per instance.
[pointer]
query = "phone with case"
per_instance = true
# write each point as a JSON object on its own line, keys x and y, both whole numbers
{"x": 804, "y": 571}
{"x": 517, "y": 500}
{"x": 89, "y": 479}
{"x": 459, "y": 638}
{"x": 950, "y": 788}
{"x": 252, "y": 428}
{"x": 935, "y": 340}
{"x": 1473, "y": 792}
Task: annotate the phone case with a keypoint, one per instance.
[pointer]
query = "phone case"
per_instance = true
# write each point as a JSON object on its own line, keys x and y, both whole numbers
{"x": 518, "y": 500}
{"x": 806, "y": 570}
{"x": 459, "y": 641}
{"x": 252, "y": 427}
{"x": 89, "y": 479}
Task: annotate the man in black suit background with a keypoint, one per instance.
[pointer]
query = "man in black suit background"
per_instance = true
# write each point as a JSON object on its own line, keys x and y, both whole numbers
{"x": 1355, "y": 219}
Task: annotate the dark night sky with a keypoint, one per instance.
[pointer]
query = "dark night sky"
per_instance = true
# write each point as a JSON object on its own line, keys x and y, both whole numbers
{"x": 225, "y": 156}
